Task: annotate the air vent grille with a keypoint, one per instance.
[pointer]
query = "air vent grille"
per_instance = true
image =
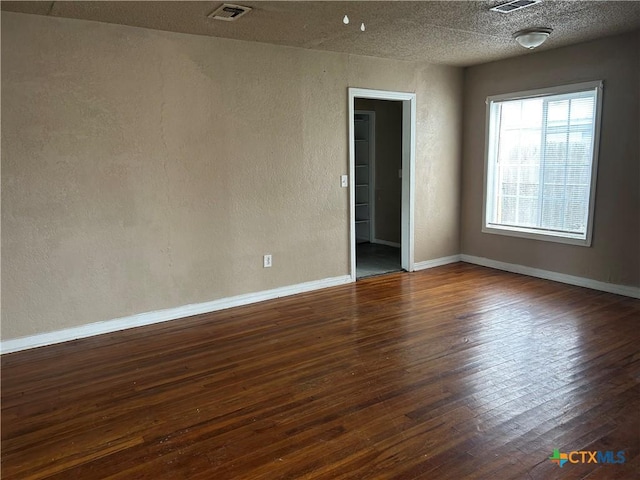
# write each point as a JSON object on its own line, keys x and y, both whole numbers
{"x": 229, "y": 12}
{"x": 514, "y": 5}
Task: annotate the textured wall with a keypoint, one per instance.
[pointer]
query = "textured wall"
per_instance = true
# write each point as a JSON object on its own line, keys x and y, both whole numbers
{"x": 438, "y": 145}
{"x": 144, "y": 170}
{"x": 615, "y": 252}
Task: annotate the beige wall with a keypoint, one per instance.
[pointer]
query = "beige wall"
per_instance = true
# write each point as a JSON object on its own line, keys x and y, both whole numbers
{"x": 144, "y": 170}
{"x": 615, "y": 252}
{"x": 388, "y": 184}
{"x": 438, "y": 145}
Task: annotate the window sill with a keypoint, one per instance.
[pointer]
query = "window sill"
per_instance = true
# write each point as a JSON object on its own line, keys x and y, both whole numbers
{"x": 578, "y": 240}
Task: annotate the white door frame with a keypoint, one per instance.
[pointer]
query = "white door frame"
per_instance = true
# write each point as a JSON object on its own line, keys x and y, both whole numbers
{"x": 408, "y": 171}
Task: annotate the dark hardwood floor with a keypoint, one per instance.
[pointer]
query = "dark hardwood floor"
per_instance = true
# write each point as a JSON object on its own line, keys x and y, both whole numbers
{"x": 450, "y": 373}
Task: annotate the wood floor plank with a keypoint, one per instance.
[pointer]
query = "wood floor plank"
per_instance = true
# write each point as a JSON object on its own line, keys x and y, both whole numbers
{"x": 455, "y": 372}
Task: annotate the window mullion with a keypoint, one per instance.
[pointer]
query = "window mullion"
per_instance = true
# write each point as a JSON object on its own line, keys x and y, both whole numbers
{"x": 518, "y": 169}
{"x": 566, "y": 167}
{"x": 497, "y": 213}
{"x": 542, "y": 160}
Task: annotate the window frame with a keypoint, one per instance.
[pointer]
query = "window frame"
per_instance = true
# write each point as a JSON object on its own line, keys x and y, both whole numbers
{"x": 489, "y": 156}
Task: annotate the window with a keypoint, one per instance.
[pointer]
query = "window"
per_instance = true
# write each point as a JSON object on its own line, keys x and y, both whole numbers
{"x": 541, "y": 162}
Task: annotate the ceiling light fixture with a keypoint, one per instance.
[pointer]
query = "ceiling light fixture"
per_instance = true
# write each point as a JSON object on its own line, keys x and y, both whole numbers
{"x": 532, "y": 37}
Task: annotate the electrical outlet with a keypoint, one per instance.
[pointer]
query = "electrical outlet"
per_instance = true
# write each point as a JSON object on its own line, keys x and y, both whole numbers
{"x": 267, "y": 261}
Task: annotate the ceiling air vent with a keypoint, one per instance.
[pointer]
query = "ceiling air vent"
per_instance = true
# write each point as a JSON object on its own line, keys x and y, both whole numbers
{"x": 514, "y": 5}
{"x": 229, "y": 12}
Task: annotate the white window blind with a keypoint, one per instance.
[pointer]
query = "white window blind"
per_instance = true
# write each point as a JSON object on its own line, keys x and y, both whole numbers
{"x": 541, "y": 162}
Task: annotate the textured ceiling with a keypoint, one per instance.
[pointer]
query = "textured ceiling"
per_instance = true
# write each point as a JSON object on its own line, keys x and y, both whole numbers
{"x": 457, "y": 33}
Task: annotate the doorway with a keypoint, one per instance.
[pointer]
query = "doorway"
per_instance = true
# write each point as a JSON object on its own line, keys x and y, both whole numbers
{"x": 378, "y": 189}
{"x": 381, "y": 180}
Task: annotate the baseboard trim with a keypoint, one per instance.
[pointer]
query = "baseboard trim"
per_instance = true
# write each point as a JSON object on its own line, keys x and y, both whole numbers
{"x": 625, "y": 290}
{"x": 436, "y": 262}
{"x": 385, "y": 242}
{"x": 149, "y": 318}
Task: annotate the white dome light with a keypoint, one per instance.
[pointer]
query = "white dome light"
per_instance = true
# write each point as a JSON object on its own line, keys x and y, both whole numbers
{"x": 532, "y": 37}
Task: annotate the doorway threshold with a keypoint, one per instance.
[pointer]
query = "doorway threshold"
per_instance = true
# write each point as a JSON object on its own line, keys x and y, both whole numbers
{"x": 374, "y": 259}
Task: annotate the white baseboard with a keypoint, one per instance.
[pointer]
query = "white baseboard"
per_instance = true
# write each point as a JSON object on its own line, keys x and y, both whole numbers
{"x": 555, "y": 276}
{"x": 436, "y": 262}
{"x": 385, "y": 242}
{"x": 148, "y": 318}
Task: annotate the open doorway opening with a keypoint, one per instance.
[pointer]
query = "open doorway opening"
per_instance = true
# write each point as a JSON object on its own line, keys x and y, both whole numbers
{"x": 382, "y": 166}
{"x": 378, "y": 185}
